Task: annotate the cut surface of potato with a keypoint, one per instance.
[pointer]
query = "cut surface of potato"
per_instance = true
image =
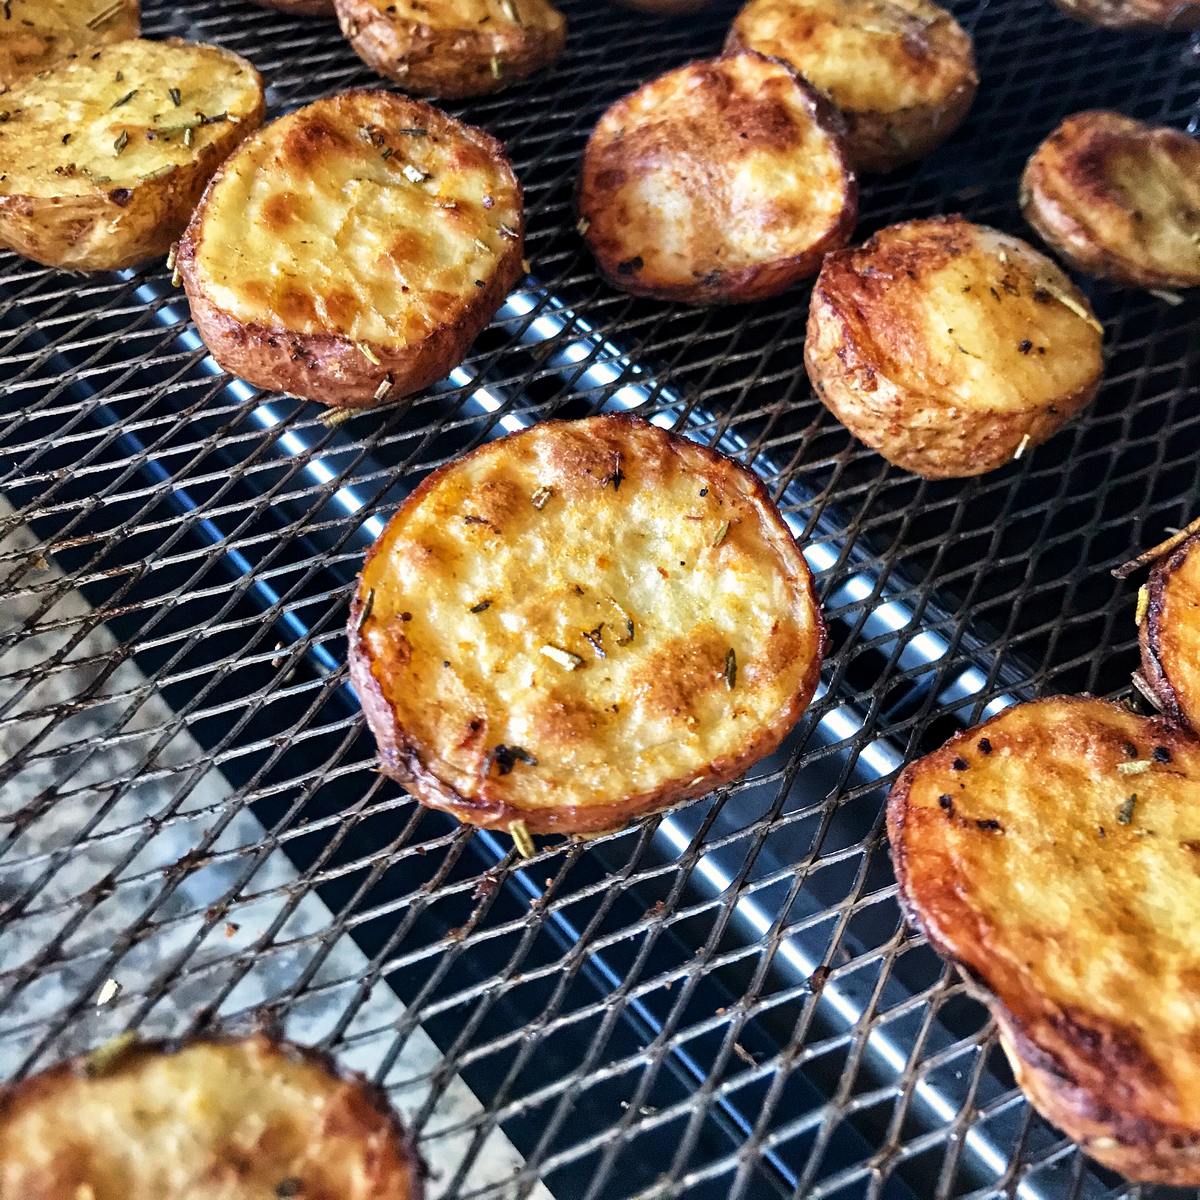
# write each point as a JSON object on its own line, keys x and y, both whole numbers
{"x": 35, "y": 34}
{"x": 1051, "y": 853}
{"x": 720, "y": 181}
{"x": 581, "y": 624}
{"x": 454, "y": 47}
{"x": 353, "y": 250}
{"x": 1118, "y": 198}
{"x": 901, "y": 71}
{"x": 1170, "y": 633}
{"x": 245, "y": 1119}
{"x": 103, "y": 158}
{"x": 1126, "y": 14}
{"x": 950, "y": 347}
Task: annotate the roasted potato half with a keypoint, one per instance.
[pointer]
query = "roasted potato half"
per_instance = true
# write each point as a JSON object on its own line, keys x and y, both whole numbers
{"x": 901, "y": 71}
{"x": 580, "y": 624}
{"x": 1169, "y": 633}
{"x": 35, "y": 34}
{"x": 1119, "y": 199}
{"x": 1125, "y": 14}
{"x": 718, "y": 182}
{"x": 237, "y": 1119}
{"x": 950, "y": 347}
{"x": 454, "y": 47}
{"x": 301, "y": 8}
{"x": 1051, "y": 853}
{"x": 103, "y": 158}
{"x": 353, "y": 250}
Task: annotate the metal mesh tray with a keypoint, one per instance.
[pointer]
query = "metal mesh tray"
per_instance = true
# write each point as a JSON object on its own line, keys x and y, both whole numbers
{"x": 722, "y": 1002}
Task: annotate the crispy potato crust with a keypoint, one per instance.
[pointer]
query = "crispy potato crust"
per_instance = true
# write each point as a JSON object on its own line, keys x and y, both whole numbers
{"x": 36, "y": 34}
{"x": 234, "y": 1119}
{"x": 720, "y": 182}
{"x": 950, "y": 347}
{"x": 1052, "y": 854}
{"x": 100, "y": 169}
{"x": 901, "y": 71}
{"x": 353, "y": 250}
{"x": 301, "y": 8}
{"x": 1126, "y": 14}
{"x": 454, "y": 47}
{"x": 1119, "y": 199}
{"x": 581, "y": 624}
{"x": 1169, "y": 634}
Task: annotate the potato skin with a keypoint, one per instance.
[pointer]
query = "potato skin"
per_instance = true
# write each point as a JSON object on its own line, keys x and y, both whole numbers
{"x": 682, "y": 194}
{"x": 1119, "y": 199}
{"x": 304, "y": 1117}
{"x": 454, "y": 48}
{"x": 606, "y": 465}
{"x": 322, "y": 361}
{"x": 920, "y": 85}
{"x": 1169, "y": 635}
{"x": 1080, "y": 942}
{"x": 36, "y": 34}
{"x": 883, "y": 354}
{"x": 1132, "y": 14}
{"x": 49, "y": 215}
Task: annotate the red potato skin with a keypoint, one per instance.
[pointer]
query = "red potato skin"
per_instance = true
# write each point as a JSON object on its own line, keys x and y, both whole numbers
{"x": 400, "y": 755}
{"x": 1151, "y": 633}
{"x": 743, "y": 285}
{"x": 329, "y": 368}
{"x": 1133, "y": 14}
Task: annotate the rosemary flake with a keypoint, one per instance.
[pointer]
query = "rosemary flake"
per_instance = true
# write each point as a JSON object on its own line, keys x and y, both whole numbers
{"x": 414, "y": 174}
{"x": 523, "y": 843}
{"x": 1143, "y": 605}
{"x": 1022, "y": 446}
{"x": 1125, "y": 812}
{"x": 176, "y": 96}
{"x": 592, "y": 637}
{"x": 564, "y": 658}
{"x": 368, "y": 607}
{"x": 482, "y": 606}
{"x": 367, "y": 353}
{"x": 125, "y": 99}
{"x": 1138, "y": 767}
{"x": 413, "y": 131}
{"x": 495, "y": 67}
{"x": 121, "y": 142}
{"x": 722, "y": 534}
{"x": 385, "y": 386}
{"x": 730, "y": 668}
{"x": 540, "y": 497}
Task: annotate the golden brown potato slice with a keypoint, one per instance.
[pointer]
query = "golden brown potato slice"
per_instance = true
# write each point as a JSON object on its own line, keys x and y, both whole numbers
{"x": 353, "y": 250}
{"x": 301, "y": 8}
{"x": 1169, "y": 633}
{"x": 581, "y": 624}
{"x": 1052, "y": 854}
{"x": 454, "y": 47}
{"x": 35, "y": 34}
{"x": 103, "y": 158}
{"x": 248, "y": 1119}
{"x": 901, "y": 71}
{"x": 1125, "y": 14}
{"x": 950, "y": 347}
{"x": 718, "y": 182}
{"x": 1118, "y": 199}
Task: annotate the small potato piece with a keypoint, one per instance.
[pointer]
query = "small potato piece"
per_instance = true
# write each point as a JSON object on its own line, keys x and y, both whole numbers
{"x": 35, "y": 34}
{"x": 581, "y": 624}
{"x": 719, "y": 182}
{"x": 301, "y": 8}
{"x": 950, "y": 347}
{"x": 211, "y": 1119}
{"x": 1170, "y": 633}
{"x": 353, "y": 250}
{"x": 454, "y": 47}
{"x": 1128, "y": 14}
{"x": 901, "y": 71}
{"x": 100, "y": 168}
{"x": 1052, "y": 855}
{"x": 1118, "y": 199}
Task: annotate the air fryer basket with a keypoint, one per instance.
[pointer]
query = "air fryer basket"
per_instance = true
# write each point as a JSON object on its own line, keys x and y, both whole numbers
{"x": 720, "y": 1002}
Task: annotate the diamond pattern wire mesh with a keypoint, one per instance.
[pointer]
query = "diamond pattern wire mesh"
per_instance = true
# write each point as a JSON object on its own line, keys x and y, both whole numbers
{"x": 720, "y": 1002}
